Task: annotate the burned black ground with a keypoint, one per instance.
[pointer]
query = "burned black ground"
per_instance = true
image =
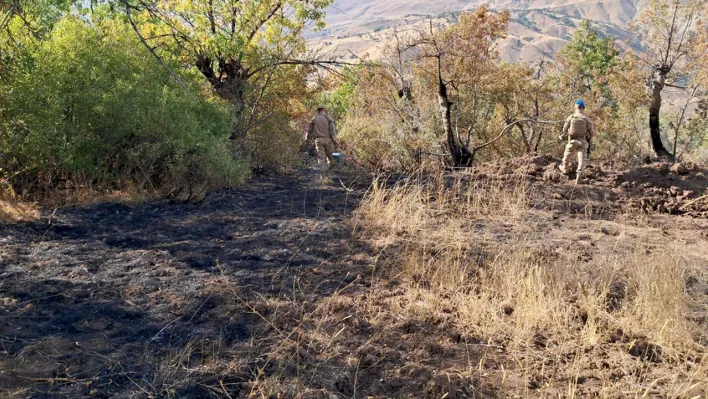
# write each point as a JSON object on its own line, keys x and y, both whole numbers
{"x": 102, "y": 300}
{"x": 269, "y": 291}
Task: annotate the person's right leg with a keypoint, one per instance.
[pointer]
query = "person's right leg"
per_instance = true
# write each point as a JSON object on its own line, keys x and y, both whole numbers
{"x": 322, "y": 156}
{"x": 329, "y": 148}
{"x": 582, "y": 150}
{"x": 569, "y": 150}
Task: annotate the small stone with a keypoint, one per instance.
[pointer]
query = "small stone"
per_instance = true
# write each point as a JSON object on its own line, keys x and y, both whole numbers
{"x": 685, "y": 195}
{"x": 610, "y": 232}
{"x": 663, "y": 168}
{"x": 679, "y": 169}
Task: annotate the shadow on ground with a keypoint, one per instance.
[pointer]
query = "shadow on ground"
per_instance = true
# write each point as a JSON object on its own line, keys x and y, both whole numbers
{"x": 160, "y": 299}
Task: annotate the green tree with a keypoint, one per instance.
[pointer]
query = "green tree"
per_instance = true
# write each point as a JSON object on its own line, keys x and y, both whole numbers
{"x": 588, "y": 58}
{"x": 38, "y": 16}
{"x": 236, "y": 45}
{"x": 335, "y": 91}
{"x": 591, "y": 67}
{"x": 23, "y": 24}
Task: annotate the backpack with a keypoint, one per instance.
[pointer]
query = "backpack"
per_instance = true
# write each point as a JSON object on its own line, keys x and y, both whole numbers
{"x": 578, "y": 127}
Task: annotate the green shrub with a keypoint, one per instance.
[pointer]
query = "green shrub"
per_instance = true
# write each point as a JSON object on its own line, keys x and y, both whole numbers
{"x": 385, "y": 144}
{"x": 273, "y": 145}
{"x": 94, "y": 107}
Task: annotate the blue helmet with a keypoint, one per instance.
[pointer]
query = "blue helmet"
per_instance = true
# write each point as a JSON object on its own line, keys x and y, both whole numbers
{"x": 580, "y": 103}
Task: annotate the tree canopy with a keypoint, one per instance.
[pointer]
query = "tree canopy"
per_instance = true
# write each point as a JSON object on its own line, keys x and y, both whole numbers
{"x": 230, "y": 42}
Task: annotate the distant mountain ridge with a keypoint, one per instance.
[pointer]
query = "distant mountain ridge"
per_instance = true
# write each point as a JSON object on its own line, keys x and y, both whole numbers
{"x": 538, "y": 28}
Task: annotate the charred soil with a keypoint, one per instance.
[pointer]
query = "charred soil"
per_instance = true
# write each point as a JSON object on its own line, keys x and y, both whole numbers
{"x": 282, "y": 289}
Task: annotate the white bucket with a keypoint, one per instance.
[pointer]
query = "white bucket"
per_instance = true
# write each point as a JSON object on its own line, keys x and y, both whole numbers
{"x": 338, "y": 157}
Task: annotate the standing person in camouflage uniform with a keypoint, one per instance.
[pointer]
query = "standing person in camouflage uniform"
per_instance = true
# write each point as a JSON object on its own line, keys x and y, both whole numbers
{"x": 321, "y": 130}
{"x": 579, "y": 130}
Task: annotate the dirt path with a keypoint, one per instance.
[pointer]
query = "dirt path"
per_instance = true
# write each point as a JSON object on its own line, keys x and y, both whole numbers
{"x": 118, "y": 301}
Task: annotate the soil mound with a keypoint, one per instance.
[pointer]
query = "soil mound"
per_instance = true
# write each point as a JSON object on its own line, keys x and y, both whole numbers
{"x": 676, "y": 189}
{"x": 530, "y": 167}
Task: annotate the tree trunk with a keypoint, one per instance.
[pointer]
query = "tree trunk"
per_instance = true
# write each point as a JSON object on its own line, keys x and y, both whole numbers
{"x": 533, "y": 140}
{"x": 657, "y": 85}
{"x": 233, "y": 90}
{"x": 527, "y": 145}
{"x": 461, "y": 157}
{"x": 230, "y": 84}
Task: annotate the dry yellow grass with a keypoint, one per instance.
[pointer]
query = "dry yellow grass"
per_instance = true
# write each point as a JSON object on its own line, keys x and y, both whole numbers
{"x": 16, "y": 211}
{"x": 543, "y": 289}
{"x": 500, "y": 286}
{"x": 128, "y": 194}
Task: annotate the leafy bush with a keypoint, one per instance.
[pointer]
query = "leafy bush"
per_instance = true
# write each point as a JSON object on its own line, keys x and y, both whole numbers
{"x": 370, "y": 144}
{"x": 275, "y": 128}
{"x": 372, "y": 130}
{"x": 94, "y": 107}
{"x": 274, "y": 144}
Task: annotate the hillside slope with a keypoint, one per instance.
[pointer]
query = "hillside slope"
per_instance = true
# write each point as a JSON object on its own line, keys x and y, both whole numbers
{"x": 538, "y": 29}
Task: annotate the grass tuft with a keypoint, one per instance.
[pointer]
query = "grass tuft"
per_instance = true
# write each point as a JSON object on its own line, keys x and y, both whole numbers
{"x": 544, "y": 290}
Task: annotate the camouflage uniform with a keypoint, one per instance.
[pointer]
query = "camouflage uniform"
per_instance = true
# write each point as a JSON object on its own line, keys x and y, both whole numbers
{"x": 321, "y": 130}
{"x": 578, "y": 129}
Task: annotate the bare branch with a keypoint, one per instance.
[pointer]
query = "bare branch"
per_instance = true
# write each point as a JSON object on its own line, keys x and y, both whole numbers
{"x": 671, "y": 34}
{"x": 6, "y": 19}
{"x": 508, "y": 127}
{"x": 326, "y": 64}
{"x": 682, "y": 115}
{"x": 159, "y": 36}
{"x": 210, "y": 15}
{"x": 263, "y": 21}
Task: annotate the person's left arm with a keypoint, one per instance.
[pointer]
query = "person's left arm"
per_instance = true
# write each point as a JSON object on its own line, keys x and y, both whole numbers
{"x": 566, "y": 127}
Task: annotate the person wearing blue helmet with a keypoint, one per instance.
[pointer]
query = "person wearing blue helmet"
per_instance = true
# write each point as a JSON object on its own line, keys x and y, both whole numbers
{"x": 578, "y": 130}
